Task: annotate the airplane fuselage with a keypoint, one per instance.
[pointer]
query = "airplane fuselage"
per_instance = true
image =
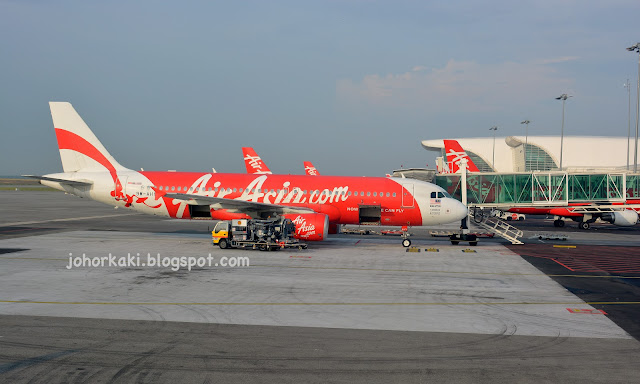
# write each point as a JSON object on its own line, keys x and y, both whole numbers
{"x": 401, "y": 201}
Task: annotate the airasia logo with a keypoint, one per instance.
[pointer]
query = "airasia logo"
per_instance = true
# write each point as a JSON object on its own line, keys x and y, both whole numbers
{"x": 302, "y": 229}
{"x": 255, "y": 162}
{"x": 455, "y": 159}
{"x": 311, "y": 170}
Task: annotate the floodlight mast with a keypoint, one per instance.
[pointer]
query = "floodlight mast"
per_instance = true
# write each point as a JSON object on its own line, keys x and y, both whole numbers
{"x": 526, "y": 141}
{"x": 628, "y": 86}
{"x": 564, "y": 98}
{"x": 636, "y": 48}
{"x": 493, "y": 160}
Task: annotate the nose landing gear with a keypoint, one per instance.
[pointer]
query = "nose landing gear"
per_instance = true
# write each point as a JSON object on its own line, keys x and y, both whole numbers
{"x": 405, "y": 237}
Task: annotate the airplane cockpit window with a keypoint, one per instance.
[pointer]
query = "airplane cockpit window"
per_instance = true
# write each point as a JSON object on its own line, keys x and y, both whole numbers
{"x": 433, "y": 195}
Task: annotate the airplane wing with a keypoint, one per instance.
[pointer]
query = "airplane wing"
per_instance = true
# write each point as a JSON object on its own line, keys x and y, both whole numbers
{"x": 77, "y": 183}
{"x": 251, "y": 208}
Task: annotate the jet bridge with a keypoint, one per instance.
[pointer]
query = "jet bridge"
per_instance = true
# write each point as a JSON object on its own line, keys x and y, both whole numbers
{"x": 541, "y": 188}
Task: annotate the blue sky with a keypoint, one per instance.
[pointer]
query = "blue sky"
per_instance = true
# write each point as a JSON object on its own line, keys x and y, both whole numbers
{"x": 352, "y": 86}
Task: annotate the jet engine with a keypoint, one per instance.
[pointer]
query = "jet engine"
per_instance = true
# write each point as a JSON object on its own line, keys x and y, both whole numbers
{"x": 621, "y": 218}
{"x": 310, "y": 226}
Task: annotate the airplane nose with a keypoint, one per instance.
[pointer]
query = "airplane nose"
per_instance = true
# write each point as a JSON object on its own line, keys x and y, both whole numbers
{"x": 459, "y": 210}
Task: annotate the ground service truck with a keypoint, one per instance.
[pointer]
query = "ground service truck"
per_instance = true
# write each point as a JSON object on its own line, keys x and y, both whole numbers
{"x": 265, "y": 235}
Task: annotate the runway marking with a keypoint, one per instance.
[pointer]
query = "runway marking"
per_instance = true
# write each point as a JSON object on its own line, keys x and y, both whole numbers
{"x": 318, "y": 303}
{"x": 58, "y": 220}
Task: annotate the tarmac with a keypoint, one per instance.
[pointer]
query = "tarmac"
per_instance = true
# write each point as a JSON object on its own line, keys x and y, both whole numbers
{"x": 350, "y": 309}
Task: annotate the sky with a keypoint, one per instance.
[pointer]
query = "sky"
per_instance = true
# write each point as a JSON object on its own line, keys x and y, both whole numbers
{"x": 352, "y": 86}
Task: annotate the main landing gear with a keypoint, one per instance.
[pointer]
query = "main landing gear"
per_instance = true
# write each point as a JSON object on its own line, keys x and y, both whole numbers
{"x": 558, "y": 223}
{"x": 584, "y": 225}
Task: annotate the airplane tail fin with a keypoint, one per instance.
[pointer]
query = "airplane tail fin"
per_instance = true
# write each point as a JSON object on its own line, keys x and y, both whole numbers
{"x": 253, "y": 162}
{"x": 455, "y": 153}
{"x": 80, "y": 149}
{"x": 310, "y": 170}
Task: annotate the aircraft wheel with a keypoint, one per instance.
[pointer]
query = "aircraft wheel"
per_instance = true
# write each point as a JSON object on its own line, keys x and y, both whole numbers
{"x": 584, "y": 225}
{"x": 223, "y": 244}
{"x": 473, "y": 243}
{"x": 406, "y": 243}
{"x": 454, "y": 242}
{"x": 558, "y": 223}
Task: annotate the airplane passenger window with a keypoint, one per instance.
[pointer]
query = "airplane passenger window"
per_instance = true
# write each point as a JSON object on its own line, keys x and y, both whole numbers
{"x": 240, "y": 190}
{"x": 394, "y": 194}
{"x": 387, "y": 194}
{"x": 173, "y": 188}
{"x": 375, "y": 194}
{"x": 235, "y": 190}
{"x": 160, "y": 188}
{"x": 368, "y": 193}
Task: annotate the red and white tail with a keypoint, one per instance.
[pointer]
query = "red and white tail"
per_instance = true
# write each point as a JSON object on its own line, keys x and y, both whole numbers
{"x": 455, "y": 153}
{"x": 254, "y": 163}
{"x": 310, "y": 170}
{"x": 80, "y": 149}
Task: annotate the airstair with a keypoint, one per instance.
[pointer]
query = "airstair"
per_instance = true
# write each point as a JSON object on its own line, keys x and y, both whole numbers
{"x": 498, "y": 226}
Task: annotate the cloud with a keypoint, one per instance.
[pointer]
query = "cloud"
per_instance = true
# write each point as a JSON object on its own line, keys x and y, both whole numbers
{"x": 458, "y": 86}
{"x": 557, "y": 60}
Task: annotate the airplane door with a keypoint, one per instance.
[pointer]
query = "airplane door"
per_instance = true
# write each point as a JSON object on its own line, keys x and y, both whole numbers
{"x": 407, "y": 195}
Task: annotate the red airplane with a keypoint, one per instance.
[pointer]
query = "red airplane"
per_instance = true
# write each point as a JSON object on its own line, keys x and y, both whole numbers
{"x": 312, "y": 202}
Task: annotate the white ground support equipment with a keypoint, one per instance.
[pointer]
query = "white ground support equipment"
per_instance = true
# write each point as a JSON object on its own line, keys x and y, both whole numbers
{"x": 500, "y": 227}
{"x": 265, "y": 235}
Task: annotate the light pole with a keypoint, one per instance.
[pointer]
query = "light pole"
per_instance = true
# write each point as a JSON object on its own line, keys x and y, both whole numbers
{"x": 636, "y": 48}
{"x": 564, "y": 98}
{"x": 493, "y": 161}
{"x": 526, "y": 141}
{"x": 628, "y": 86}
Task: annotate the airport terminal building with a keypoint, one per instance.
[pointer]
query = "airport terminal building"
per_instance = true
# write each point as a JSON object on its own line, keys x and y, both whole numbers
{"x": 542, "y": 153}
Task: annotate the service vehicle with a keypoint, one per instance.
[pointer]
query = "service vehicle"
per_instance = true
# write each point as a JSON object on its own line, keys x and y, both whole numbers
{"x": 265, "y": 235}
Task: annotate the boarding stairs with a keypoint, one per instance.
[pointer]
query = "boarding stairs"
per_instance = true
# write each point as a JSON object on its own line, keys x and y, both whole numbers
{"x": 478, "y": 217}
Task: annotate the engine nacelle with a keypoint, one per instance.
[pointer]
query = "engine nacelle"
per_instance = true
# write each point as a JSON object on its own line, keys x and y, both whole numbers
{"x": 310, "y": 226}
{"x": 626, "y": 218}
